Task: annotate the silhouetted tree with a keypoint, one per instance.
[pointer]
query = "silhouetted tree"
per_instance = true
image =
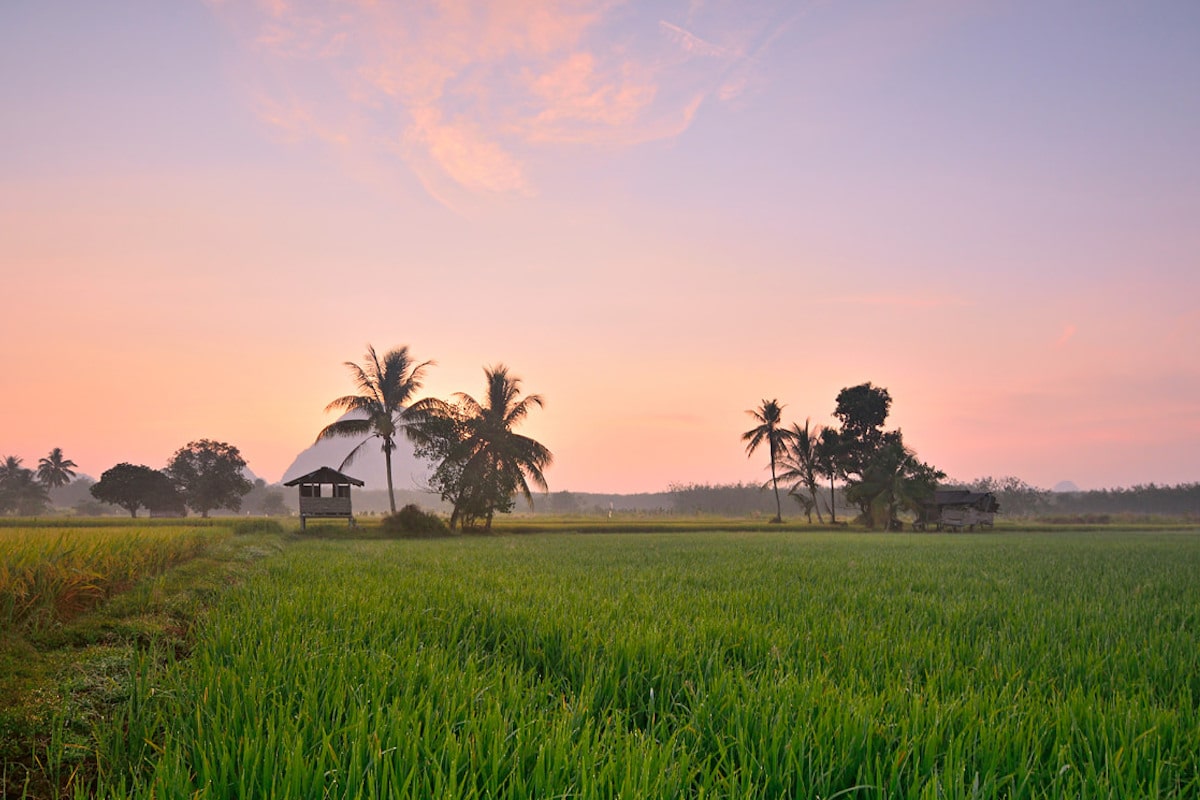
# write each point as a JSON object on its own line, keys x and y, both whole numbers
{"x": 769, "y": 417}
{"x": 20, "y": 490}
{"x": 862, "y": 410}
{"x": 209, "y": 475}
{"x": 828, "y": 452}
{"x": 801, "y": 463}
{"x": 882, "y": 475}
{"x": 893, "y": 480}
{"x": 54, "y": 470}
{"x": 385, "y": 386}
{"x": 134, "y": 486}
{"x": 486, "y": 463}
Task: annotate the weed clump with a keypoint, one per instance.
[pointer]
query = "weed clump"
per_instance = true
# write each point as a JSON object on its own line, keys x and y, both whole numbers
{"x": 411, "y": 521}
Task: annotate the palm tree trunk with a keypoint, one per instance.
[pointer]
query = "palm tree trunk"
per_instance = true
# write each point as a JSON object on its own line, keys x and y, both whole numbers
{"x": 812, "y": 487}
{"x": 775, "y": 483}
{"x": 387, "y": 460}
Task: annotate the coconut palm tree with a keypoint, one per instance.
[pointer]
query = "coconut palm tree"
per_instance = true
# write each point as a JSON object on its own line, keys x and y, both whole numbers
{"x": 20, "y": 490}
{"x": 385, "y": 386}
{"x": 801, "y": 461}
{"x": 10, "y": 467}
{"x": 54, "y": 470}
{"x": 769, "y": 417}
{"x": 496, "y": 461}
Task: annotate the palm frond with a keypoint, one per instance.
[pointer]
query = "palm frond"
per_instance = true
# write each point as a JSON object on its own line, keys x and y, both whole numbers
{"x": 345, "y": 427}
{"x": 353, "y": 454}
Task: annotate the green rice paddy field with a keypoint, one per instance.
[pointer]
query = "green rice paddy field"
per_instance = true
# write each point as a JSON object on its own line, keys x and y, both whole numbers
{"x": 684, "y": 665}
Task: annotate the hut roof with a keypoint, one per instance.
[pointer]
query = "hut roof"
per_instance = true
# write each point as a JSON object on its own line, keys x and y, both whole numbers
{"x": 985, "y": 501}
{"x": 324, "y": 475}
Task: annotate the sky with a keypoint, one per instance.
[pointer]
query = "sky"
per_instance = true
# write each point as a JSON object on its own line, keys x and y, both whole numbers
{"x": 658, "y": 214}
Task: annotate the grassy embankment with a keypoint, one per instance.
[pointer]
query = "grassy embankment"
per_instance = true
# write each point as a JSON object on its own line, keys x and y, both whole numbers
{"x": 742, "y": 664}
{"x": 82, "y": 602}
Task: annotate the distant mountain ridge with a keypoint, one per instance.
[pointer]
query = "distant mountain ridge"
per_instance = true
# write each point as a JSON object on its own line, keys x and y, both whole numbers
{"x": 408, "y": 471}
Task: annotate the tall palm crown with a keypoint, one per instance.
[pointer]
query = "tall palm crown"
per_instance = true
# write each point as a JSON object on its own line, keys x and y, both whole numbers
{"x": 11, "y": 467}
{"x": 54, "y": 470}
{"x": 769, "y": 417}
{"x": 499, "y": 461}
{"x": 385, "y": 386}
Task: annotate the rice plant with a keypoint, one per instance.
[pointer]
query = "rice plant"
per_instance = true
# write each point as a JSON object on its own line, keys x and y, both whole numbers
{"x": 48, "y": 577}
{"x": 685, "y": 665}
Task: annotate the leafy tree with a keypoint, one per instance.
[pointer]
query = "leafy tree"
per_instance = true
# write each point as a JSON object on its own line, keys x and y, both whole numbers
{"x": 893, "y": 480}
{"x": 769, "y": 417}
{"x": 802, "y": 465}
{"x": 54, "y": 470}
{"x": 484, "y": 461}
{"x": 440, "y": 433}
{"x": 882, "y": 475}
{"x": 384, "y": 386}
{"x": 862, "y": 410}
{"x": 134, "y": 486}
{"x": 209, "y": 475}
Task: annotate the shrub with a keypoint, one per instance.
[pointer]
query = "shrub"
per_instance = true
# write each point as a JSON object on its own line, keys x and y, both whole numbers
{"x": 412, "y": 521}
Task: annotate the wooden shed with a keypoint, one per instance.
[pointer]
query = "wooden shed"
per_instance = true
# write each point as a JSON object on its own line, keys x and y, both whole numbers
{"x": 955, "y": 509}
{"x": 325, "y": 493}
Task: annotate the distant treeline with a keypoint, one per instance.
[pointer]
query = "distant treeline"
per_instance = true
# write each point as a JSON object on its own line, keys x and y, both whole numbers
{"x": 739, "y": 499}
{"x": 1017, "y": 500}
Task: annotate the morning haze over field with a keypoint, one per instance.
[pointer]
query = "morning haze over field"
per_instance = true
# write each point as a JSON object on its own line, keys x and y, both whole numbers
{"x": 658, "y": 214}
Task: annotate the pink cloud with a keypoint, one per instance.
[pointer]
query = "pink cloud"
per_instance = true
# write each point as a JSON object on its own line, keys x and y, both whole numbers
{"x": 466, "y": 154}
{"x": 574, "y": 91}
{"x": 475, "y": 89}
{"x": 1067, "y": 333}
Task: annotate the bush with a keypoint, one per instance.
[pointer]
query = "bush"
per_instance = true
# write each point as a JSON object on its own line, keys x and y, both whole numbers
{"x": 412, "y": 521}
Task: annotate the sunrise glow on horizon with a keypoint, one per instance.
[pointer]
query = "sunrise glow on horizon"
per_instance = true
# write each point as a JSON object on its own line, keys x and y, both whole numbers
{"x": 656, "y": 214}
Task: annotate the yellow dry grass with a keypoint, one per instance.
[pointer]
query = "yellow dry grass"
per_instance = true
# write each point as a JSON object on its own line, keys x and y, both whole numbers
{"x": 49, "y": 576}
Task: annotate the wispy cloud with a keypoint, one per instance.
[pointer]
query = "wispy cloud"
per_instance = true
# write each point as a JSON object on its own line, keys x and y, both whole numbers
{"x": 693, "y": 44}
{"x": 472, "y": 89}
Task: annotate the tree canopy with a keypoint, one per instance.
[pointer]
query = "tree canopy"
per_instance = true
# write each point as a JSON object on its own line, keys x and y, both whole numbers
{"x": 135, "y": 486}
{"x": 209, "y": 475}
{"x": 882, "y": 474}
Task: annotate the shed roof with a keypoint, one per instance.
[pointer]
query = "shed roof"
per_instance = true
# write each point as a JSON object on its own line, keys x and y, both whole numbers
{"x": 985, "y": 501}
{"x": 324, "y": 475}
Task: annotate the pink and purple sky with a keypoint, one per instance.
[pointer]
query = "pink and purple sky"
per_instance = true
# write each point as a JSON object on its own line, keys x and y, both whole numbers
{"x": 657, "y": 213}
